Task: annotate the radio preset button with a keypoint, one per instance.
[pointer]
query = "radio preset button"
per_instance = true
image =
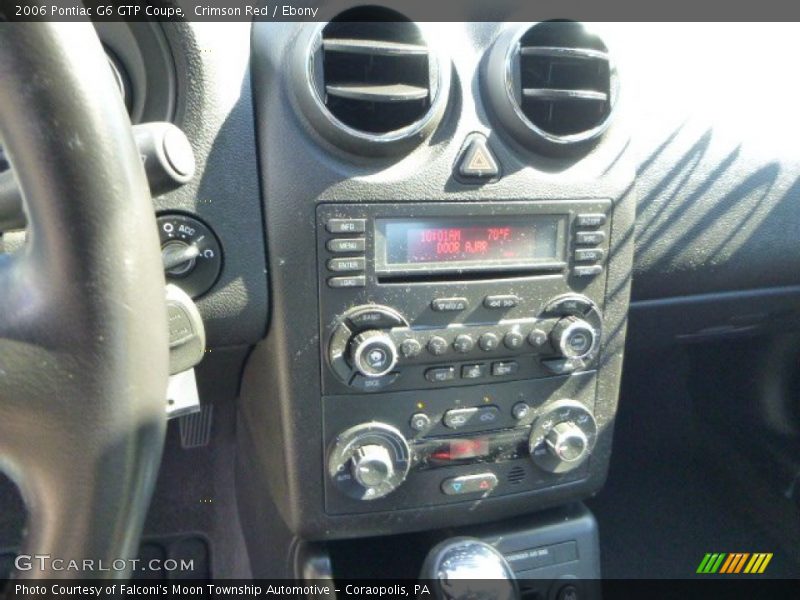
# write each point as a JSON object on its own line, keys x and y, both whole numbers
{"x": 469, "y": 484}
{"x": 587, "y": 270}
{"x": 588, "y": 255}
{"x": 589, "y": 238}
{"x": 488, "y": 342}
{"x": 456, "y": 418}
{"x": 341, "y": 245}
{"x": 449, "y": 304}
{"x": 440, "y": 374}
{"x": 590, "y": 220}
{"x": 354, "y": 281}
{"x": 437, "y": 345}
{"x": 347, "y": 264}
{"x": 513, "y": 340}
{"x": 346, "y": 225}
{"x": 474, "y": 371}
{"x": 420, "y": 422}
{"x": 505, "y": 368}
{"x": 463, "y": 343}
{"x": 410, "y": 348}
{"x": 501, "y": 302}
{"x": 537, "y": 338}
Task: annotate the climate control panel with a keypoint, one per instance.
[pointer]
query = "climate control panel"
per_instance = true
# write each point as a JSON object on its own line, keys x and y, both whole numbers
{"x": 371, "y": 460}
{"x": 453, "y": 446}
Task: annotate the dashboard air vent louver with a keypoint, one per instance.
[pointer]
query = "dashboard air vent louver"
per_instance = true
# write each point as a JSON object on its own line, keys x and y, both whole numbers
{"x": 560, "y": 84}
{"x": 565, "y": 78}
{"x": 375, "y": 79}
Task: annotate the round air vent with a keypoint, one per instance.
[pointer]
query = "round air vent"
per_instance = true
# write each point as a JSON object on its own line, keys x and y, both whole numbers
{"x": 552, "y": 84}
{"x": 371, "y": 81}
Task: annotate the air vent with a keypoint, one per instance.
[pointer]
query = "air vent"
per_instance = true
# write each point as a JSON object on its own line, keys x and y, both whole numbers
{"x": 559, "y": 84}
{"x": 516, "y": 476}
{"x": 374, "y": 80}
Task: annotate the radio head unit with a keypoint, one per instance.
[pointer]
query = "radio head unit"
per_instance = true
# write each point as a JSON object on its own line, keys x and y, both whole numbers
{"x": 460, "y": 345}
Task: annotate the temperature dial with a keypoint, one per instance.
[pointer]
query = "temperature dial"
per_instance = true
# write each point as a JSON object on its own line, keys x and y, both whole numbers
{"x": 372, "y": 465}
{"x": 190, "y": 252}
{"x": 567, "y": 442}
{"x": 562, "y": 436}
{"x": 369, "y": 461}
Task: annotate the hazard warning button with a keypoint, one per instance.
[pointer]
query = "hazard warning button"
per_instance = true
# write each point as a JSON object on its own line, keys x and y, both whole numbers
{"x": 476, "y": 161}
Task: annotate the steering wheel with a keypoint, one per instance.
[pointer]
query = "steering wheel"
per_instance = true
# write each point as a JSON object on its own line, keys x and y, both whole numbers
{"x": 83, "y": 324}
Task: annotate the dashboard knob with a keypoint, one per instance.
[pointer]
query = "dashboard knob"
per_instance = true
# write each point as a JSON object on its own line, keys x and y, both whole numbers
{"x": 573, "y": 337}
{"x": 369, "y": 461}
{"x": 372, "y": 465}
{"x": 373, "y": 353}
{"x": 567, "y": 442}
{"x": 563, "y": 435}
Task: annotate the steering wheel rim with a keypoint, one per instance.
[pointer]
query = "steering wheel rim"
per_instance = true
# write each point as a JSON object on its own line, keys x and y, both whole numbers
{"x": 83, "y": 326}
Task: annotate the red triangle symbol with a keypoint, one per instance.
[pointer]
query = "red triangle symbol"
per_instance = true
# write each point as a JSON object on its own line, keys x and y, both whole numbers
{"x": 479, "y": 161}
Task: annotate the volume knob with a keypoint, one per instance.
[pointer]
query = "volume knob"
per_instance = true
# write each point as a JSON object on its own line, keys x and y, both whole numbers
{"x": 373, "y": 353}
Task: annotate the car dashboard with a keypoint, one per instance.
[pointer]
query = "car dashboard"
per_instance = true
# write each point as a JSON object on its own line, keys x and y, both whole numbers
{"x": 429, "y": 247}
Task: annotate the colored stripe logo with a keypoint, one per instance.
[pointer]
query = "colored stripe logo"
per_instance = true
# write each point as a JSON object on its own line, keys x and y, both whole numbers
{"x": 734, "y": 563}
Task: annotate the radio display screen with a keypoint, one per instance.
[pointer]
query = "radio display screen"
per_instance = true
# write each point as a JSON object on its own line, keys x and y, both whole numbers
{"x": 473, "y": 241}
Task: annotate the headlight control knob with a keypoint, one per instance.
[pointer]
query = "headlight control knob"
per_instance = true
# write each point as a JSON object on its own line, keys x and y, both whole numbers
{"x": 369, "y": 461}
{"x": 573, "y": 337}
{"x": 373, "y": 353}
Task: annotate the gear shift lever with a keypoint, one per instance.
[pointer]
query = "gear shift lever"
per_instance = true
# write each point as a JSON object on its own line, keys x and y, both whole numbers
{"x": 465, "y": 568}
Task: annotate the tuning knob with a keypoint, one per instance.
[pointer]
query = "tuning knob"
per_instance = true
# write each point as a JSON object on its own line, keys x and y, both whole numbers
{"x": 573, "y": 337}
{"x": 567, "y": 442}
{"x": 373, "y": 353}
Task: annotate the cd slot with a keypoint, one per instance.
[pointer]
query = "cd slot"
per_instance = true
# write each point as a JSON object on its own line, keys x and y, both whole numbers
{"x": 483, "y": 275}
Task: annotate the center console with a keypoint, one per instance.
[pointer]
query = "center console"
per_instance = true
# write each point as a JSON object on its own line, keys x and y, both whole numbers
{"x": 459, "y": 348}
{"x": 448, "y": 299}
